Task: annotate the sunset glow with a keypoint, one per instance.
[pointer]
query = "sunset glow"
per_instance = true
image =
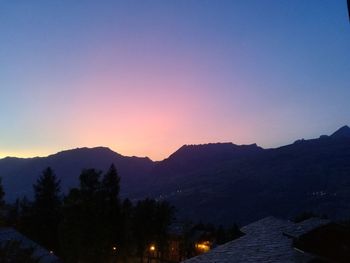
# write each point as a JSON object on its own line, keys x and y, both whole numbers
{"x": 145, "y": 77}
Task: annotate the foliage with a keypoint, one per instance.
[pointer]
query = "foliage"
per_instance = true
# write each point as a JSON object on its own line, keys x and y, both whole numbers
{"x": 2, "y": 203}
{"x": 2, "y": 195}
{"x": 150, "y": 222}
{"x": 47, "y": 209}
{"x": 91, "y": 224}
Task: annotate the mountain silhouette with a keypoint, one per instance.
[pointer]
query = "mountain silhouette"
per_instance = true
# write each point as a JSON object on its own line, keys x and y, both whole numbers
{"x": 342, "y": 132}
{"x": 229, "y": 183}
{"x": 19, "y": 174}
{"x": 216, "y": 182}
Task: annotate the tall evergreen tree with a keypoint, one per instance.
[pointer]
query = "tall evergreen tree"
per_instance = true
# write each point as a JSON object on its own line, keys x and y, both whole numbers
{"x": 150, "y": 224}
{"x": 90, "y": 183}
{"x": 111, "y": 184}
{"x": 112, "y": 208}
{"x": 46, "y": 209}
{"x": 143, "y": 226}
{"x": 26, "y": 217}
{"x": 2, "y": 195}
{"x": 164, "y": 216}
{"x": 126, "y": 240}
{"x": 2, "y": 203}
{"x": 85, "y": 229}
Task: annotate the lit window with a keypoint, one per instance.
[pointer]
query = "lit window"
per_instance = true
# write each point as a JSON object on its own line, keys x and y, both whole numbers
{"x": 203, "y": 246}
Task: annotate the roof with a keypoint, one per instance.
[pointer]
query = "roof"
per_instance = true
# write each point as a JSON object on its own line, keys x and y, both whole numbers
{"x": 266, "y": 240}
{"x": 10, "y": 234}
{"x": 306, "y": 226}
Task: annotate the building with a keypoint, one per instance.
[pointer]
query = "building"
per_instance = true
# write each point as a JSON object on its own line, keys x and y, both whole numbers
{"x": 11, "y": 235}
{"x": 267, "y": 240}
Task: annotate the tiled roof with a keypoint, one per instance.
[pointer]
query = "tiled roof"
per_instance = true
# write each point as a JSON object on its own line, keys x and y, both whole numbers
{"x": 264, "y": 241}
{"x": 10, "y": 234}
{"x": 306, "y": 226}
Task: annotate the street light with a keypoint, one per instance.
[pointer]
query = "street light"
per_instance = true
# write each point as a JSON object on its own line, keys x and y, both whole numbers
{"x": 152, "y": 248}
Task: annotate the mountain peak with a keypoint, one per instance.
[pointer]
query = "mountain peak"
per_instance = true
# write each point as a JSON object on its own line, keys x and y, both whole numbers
{"x": 215, "y": 151}
{"x": 343, "y": 132}
{"x": 87, "y": 150}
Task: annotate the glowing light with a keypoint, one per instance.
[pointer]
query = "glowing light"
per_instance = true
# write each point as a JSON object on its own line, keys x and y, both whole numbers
{"x": 203, "y": 246}
{"x": 114, "y": 248}
{"x": 152, "y": 248}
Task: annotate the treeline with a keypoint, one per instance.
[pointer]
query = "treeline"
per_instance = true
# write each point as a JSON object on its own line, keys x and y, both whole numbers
{"x": 91, "y": 223}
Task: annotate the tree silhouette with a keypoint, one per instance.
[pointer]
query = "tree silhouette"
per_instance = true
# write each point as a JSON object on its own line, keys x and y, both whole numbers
{"x": 143, "y": 225}
{"x": 25, "y": 217}
{"x": 2, "y": 195}
{"x": 164, "y": 215}
{"x": 2, "y": 202}
{"x": 150, "y": 224}
{"x": 111, "y": 213}
{"x": 126, "y": 238}
{"x": 92, "y": 224}
{"x": 89, "y": 229}
{"x": 46, "y": 209}
{"x": 111, "y": 185}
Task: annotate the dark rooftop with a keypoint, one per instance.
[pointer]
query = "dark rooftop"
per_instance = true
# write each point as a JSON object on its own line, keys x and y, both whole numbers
{"x": 10, "y": 234}
{"x": 267, "y": 240}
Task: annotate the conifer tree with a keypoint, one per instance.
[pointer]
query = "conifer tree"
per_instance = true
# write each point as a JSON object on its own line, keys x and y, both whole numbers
{"x": 46, "y": 209}
{"x": 2, "y": 195}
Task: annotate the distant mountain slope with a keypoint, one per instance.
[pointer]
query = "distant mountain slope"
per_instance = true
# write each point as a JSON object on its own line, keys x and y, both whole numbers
{"x": 19, "y": 175}
{"x": 343, "y": 132}
{"x": 219, "y": 182}
{"x": 191, "y": 163}
{"x": 307, "y": 175}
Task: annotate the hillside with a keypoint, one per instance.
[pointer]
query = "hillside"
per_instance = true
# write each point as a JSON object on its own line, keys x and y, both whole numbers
{"x": 219, "y": 182}
{"x": 306, "y": 175}
{"x": 19, "y": 174}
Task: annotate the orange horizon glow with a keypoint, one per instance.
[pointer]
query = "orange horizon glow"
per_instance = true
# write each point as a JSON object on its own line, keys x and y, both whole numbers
{"x": 172, "y": 73}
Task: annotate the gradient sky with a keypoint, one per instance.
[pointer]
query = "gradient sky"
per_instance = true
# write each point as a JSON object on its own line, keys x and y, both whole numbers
{"x": 145, "y": 77}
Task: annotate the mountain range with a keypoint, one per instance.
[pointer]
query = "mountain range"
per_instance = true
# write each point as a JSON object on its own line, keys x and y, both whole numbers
{"x": 217, "y": 182}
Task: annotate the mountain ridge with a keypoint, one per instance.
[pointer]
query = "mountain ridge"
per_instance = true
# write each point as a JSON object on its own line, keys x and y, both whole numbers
{"x": 342, "y": 132}
{"x": 306, "y": 175}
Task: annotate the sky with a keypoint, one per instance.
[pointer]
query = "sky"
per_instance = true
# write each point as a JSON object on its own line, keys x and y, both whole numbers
{"x": 144, "y": 77}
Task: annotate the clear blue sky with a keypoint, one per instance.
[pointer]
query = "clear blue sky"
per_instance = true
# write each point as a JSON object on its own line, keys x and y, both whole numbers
{"x": 145, "y": 77}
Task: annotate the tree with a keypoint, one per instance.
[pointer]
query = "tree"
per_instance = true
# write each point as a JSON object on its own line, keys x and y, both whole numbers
{"x": 126, "y": 239}
{"x": 86, "y": 231}
{"x": 2, "y": 195}
{"x": 90, "y": 182}
{"x": 164, "y": 215}
{"x": 25, "y": 217}
{"x": 2, "y": 203}
{"x": 111, "y": 185}
{"x": 71, "y": 228}
{"x": 143, "y": 225}
{"x": 150, "y": 225}
{"x": 46, "y": 209}
{"x": 112, "y": 209}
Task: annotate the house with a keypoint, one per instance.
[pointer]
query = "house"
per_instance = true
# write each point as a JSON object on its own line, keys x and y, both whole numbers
{"x": 11, "y": 235}
{"x": 331, "y": 241}
{"x": 267, "y": 240}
